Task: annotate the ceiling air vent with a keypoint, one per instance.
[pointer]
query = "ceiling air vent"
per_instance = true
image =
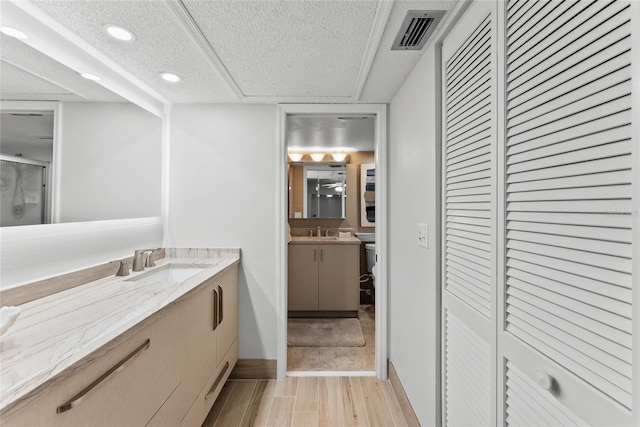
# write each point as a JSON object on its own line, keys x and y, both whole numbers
{"x": 416, "y": 29}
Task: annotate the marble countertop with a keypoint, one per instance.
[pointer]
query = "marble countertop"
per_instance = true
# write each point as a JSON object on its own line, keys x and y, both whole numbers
{"x": 58, "y": 332}
{"x": 314, "y": 240}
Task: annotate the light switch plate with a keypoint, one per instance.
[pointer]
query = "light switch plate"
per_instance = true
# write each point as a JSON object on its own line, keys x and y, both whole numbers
{"x": 423, "y": 235}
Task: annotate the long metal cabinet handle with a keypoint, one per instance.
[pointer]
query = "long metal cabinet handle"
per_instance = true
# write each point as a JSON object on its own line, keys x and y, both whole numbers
{"x": 75, "y": 400}
{"x": 315, "y": 255}
{"x": 217, "y": 381}
{"x": 215, "y": 309}
{"x": 220, "y": 305}
{"x": 321, "y": 256}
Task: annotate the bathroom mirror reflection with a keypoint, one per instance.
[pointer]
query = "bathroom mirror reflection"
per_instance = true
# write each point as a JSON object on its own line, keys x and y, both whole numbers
{"x": 93, "y": 154}
{"x": 325, "y": 191}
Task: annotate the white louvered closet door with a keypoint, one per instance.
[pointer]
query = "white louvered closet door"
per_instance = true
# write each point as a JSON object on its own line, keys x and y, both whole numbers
{"x": 469, "y": 261}
{"x": 566, "y": 339}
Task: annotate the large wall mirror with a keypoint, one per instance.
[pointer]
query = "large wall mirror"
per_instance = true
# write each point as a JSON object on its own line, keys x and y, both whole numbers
{"x": 71, "y": 150}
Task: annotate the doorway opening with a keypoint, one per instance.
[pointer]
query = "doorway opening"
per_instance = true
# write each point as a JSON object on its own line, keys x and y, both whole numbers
{"x": 332, "y": 318}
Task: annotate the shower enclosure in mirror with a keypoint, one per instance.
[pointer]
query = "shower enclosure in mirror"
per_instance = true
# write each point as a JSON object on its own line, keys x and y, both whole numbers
{"x": 325, "y": 191}
{"x": 23, "y": 191}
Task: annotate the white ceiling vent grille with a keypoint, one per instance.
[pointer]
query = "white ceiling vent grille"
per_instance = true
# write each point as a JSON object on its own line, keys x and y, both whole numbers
{"x": 416, "y": 28}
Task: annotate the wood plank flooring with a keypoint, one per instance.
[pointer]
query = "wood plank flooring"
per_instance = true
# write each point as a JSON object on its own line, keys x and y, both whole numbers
{"x": 307, "y": 402}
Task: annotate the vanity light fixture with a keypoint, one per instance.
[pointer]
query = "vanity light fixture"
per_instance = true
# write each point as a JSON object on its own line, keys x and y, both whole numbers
{"x": 13, "y": 32}
{"x": 339, "y": 157}
{"x": 90, "y": 76}
{"x": 170, "y": 77}
{"x": 295, "y": 157}
{"x": 317, "y": 157}
{"x": 119, "y": 33}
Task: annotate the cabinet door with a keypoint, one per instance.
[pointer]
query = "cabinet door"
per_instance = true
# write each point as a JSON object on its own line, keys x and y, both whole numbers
{"x": 148, "y": 374}
{"x": 303, "y": 277}
{"x": 338, "y": 287}
{"x": 227, "y": 329}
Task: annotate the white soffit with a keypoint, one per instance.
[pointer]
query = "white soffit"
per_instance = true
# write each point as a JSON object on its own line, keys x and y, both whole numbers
{"x": 27, "y": 74}
{"x": 162, "y": 44}
{"x": 391, "y": 67}
{"x": 331, "y": 131}
{"x": 289, "y": 48}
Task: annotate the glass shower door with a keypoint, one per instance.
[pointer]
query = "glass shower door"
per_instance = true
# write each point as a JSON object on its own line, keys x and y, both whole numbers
{"x": 22, "y": 193}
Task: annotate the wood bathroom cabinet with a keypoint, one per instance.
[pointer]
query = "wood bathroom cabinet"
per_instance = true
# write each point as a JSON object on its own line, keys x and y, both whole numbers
{"x": 170, "y": 372}
{"x": 323, "y": 277}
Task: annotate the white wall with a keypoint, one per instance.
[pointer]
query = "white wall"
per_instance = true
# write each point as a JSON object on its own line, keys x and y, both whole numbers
{"x": 223, "y": 178}
{"x": 413, "y": 296}
{"x": 110, "y": 162}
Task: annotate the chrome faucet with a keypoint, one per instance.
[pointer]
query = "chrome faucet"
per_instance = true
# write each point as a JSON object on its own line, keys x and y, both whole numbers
{"x": 326, "y": 233}
{"x": 142, "y": 258}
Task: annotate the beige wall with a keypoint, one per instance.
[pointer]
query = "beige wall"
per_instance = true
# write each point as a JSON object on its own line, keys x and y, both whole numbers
{"x": 352, "y": 219}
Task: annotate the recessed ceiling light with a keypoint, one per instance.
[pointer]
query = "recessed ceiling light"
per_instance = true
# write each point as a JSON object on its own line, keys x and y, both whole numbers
{"x": 90, "y": 76}
{"x": 12, "y": 32}
{"x": 118, "y": 32}
{"x": 170, "y": 77}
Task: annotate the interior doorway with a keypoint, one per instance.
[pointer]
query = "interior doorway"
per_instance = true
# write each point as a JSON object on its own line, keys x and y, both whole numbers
{"x": 322, "y": 261}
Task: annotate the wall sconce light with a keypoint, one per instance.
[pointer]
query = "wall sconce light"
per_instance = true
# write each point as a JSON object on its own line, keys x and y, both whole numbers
{"x": 295, "y": 157}
{"x": 317, "y": 157}
{"x": 339, "y": 157}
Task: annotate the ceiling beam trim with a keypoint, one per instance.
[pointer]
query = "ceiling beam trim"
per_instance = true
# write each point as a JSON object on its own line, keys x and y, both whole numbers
{"x": 189, "y": 24}
{"x": 67, "y": 91}
{"x": 377, "y": 30}
{"x": 57, "y": 42}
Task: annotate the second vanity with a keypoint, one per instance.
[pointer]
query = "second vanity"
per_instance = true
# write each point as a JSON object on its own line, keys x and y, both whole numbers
{"x": 152, "y": 348}
{"x": 323, "y": 276}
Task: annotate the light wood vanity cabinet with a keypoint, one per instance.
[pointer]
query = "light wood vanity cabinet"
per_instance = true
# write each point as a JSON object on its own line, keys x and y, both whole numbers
{"x": 323, "y": 277}
{"x": 170, "y": 372}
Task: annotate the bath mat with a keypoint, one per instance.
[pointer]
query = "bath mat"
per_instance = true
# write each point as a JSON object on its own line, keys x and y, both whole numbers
{"x": 324, "y": 333}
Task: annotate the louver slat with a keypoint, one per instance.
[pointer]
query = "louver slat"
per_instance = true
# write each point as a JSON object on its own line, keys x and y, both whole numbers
{"x": 469, "y": 170}
{"x": 569, "y": 197}
{"x": 526, "y": 401}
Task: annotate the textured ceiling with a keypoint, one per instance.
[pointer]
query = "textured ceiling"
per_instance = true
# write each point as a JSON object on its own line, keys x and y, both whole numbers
{"x": 252, "y": 50}
{"x": 293, "y": 49}
{"x": 162, "y": 44}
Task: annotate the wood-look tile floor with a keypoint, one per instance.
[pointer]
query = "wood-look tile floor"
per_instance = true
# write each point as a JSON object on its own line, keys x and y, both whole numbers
{"x": 307, "y": 402}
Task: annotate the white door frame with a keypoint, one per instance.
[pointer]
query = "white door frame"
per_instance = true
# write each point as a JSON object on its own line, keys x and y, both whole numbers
{"x": 381, "y": 156}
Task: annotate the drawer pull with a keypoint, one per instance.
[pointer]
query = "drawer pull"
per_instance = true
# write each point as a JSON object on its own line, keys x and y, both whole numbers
{"x": 220, "y": 305}
{"x": 315, "y": 255}
{"x": 544, "y": 380}
{"x": 217, "y": 381}
{"x": 75, "y": 400}
{"x": 215, "y": 309}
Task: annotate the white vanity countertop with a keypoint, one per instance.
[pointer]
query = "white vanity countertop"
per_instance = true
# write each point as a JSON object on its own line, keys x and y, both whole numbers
{"x": 58, "y": 332}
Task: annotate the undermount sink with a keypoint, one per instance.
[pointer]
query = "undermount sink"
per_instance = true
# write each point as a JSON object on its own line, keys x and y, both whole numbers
{"x": 170, "y": 273}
